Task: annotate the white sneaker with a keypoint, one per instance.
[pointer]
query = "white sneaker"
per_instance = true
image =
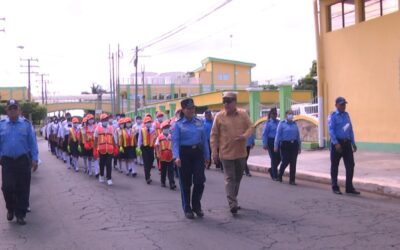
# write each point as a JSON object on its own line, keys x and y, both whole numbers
{"x": 109, "y": 182}
{"x": 101, "y": 179}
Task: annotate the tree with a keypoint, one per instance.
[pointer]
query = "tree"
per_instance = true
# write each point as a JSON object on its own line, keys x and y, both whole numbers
{"x": 97, "y": 89}
{"x": 309, "y": 82}
{"x": 30, "y": 110}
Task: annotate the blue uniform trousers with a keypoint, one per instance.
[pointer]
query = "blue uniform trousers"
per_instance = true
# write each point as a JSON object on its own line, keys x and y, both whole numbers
{"x": 348, "y": 158}
{"x": 16, "y": 181}
{"x": 289, "y": 151}
{"x": 191, "y": 171}
{"x": 275, "y": 158}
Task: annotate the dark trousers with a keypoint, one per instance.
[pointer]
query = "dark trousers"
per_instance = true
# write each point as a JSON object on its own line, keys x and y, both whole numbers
{"x": 167, "y": 168}
{"x": 16, "y": 181}
{"x": 191, "y": 171}
{"x": 209, "y": 148}
{"x": 246, "y": 167}
{"x": 148, "y": 160}
{"x": 275, "y": 158}
{"x": 289, "y": 151}
{"x": 53, "y": 146}
{"x": 348, "y": 158}
{"x": 105, "y": 162}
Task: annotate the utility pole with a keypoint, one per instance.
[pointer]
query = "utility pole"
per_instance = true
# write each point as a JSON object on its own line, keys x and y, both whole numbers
{"x": 45, "y": 91}
{"x": 29, "y": 73}
{"x": 118, "y": 83}
{"x": 144, "y": 97}
{"x": 136, "y": 81}
{"x": 3, "y": 19}
{"x": 110, "y": 58}
{"x": 42, "y": 83}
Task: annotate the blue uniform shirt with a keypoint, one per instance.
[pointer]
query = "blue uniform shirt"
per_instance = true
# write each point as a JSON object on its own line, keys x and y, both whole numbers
{"x": 188, "y": 133}
{"x": 17, "y": 138}
{"x": 251, "y": 140}
{"x": 287, "y": 131}
{"x": 340, "y": 127}
{"x": 207, "y": 127}
{"x": 269, "y": 130}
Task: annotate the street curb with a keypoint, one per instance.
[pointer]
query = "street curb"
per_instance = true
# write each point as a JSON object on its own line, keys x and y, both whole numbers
{"x": 325, "y": 179}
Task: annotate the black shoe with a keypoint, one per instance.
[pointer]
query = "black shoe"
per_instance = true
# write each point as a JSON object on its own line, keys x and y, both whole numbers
{"x": 163, "y": 185}
{"x": 353, "y": 191}
{"x": 149, "y": 181}
{"x": 234, "y": 210}
{"x": 239, "y": 207}
{"x": 21, "y": 221}
{"x": 293, "y": 183}
{"x": 189, "y": 215}
{"x": 134, "y": 174}
{"x": 10, "y": 216}
{"x": 199, "y": 213}
{"x": 336, "y": 191}
{"x": 279, "y": 179}
{"x": 172, "y": 187}
{"x": 97, "y": 176}
{"x": 248, "y": 175}
{"x": 28, "y": 209}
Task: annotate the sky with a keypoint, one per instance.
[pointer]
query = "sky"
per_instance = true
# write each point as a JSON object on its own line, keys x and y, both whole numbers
{"x": 71, "y": 38}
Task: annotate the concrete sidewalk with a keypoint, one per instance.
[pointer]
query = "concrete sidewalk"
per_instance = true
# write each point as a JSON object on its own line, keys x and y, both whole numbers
{"x": 375, "y": 172}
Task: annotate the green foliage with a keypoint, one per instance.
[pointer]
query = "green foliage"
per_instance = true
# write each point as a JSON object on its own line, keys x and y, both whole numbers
{"x": 309, "y": 82}
{"x": 38, "y": 112}
{"x": 270, "y": 87}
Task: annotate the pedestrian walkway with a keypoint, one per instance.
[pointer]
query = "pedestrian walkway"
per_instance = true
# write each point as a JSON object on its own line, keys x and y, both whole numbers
{"x": 375, "y": 172}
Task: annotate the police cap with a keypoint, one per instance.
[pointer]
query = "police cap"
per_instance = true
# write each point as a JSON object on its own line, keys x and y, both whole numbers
{"x": 187, "y": 103}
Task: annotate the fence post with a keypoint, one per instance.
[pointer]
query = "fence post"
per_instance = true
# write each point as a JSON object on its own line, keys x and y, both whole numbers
{"x": 254, "y": 103}
{"x": 285, "y": 95}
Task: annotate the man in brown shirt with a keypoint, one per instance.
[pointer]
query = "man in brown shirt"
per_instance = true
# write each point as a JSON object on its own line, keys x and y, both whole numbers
{"x": 231, "y": 128}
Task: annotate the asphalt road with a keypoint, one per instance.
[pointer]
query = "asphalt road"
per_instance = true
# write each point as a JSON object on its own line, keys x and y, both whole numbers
{"x": 73, "y": 211}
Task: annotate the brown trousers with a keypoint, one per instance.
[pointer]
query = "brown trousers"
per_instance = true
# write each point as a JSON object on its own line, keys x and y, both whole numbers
{"x": 233, "y": 171}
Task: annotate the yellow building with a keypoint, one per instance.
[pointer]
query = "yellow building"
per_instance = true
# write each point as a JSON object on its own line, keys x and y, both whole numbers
{"x": 359, "y": 58}
{"x": 17, "y": 93}
{"x": 218, "y": 73}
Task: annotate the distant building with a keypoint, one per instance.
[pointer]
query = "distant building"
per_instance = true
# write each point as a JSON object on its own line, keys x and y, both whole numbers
{"x": 215, "y": 74}
{"x": 17, "y": 93}
{"x": 359, "y": 58}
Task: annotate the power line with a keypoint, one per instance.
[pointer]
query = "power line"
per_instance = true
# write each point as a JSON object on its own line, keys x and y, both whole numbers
{"x": 182, "y": 26}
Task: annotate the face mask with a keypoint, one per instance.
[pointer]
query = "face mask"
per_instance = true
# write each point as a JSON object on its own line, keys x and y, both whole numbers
{"x": 165, "y": 131}
{"x": 110, "y": 121}
{"x": 148, "y": 125}
{"x": 160, "y": 119}
{"x": 75, "y": 125}
{"x": 121, "y": 126}
{"x": 139, "y": 122}
{"x": 290, "y": 117}
{"x": 69, "y": 124}
{"x": 129, "y": 125}
{"x": 104, "y": 124}
{"x": 91, "y": 121}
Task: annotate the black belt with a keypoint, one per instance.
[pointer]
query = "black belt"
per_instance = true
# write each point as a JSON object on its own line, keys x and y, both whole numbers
{"x": 20, "y": 157}
{"x": 343, "y": 140}
{"x": 291, "y": 142}
{"x": 196, "y": 146}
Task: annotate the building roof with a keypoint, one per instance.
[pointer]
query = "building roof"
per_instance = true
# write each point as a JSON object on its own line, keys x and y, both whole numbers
{"x": 213, "y": 59}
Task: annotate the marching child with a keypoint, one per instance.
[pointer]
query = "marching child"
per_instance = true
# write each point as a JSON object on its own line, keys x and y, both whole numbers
{"x": 164, "y": 153}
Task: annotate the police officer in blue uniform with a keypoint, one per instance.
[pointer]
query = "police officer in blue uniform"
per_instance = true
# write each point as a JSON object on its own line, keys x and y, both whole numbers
{"x": 342, "y": 145}
{"x": 268, "y": 139}
{"x": 191, "y": 154}
{"x": 288, "y": 141}
{"x": 18, "y": 154}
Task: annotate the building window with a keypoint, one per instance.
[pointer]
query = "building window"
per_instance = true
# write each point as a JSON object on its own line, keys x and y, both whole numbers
{"x": 377, "y": 8}
{"x": 342, "y": 14}
{"x": 223, "y": 76}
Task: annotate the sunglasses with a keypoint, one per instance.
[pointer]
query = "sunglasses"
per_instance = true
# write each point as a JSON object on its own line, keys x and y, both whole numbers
{"x": 227, "y": 100}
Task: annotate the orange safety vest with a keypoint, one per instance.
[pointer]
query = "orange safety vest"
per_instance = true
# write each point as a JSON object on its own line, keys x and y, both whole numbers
{"x": 105, "y": 139}
{"x": 88, "y": 137}
{"x": 157, "y": 126}
{"x": 128, "y": 140}
{"x": 165, "y": 148}
{"x": 75, "y": 134}
{"x": 148, "y": 139}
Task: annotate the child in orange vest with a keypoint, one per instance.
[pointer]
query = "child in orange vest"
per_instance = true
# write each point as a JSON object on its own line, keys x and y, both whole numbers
{"x": 147, "y": 138}
{"x": 104, "y": 147}
{"x": 74, "y": 140}
{"x": 127, "y": 146}
{"x": 87, "y": 137}
{"x": 164, "y": 153}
